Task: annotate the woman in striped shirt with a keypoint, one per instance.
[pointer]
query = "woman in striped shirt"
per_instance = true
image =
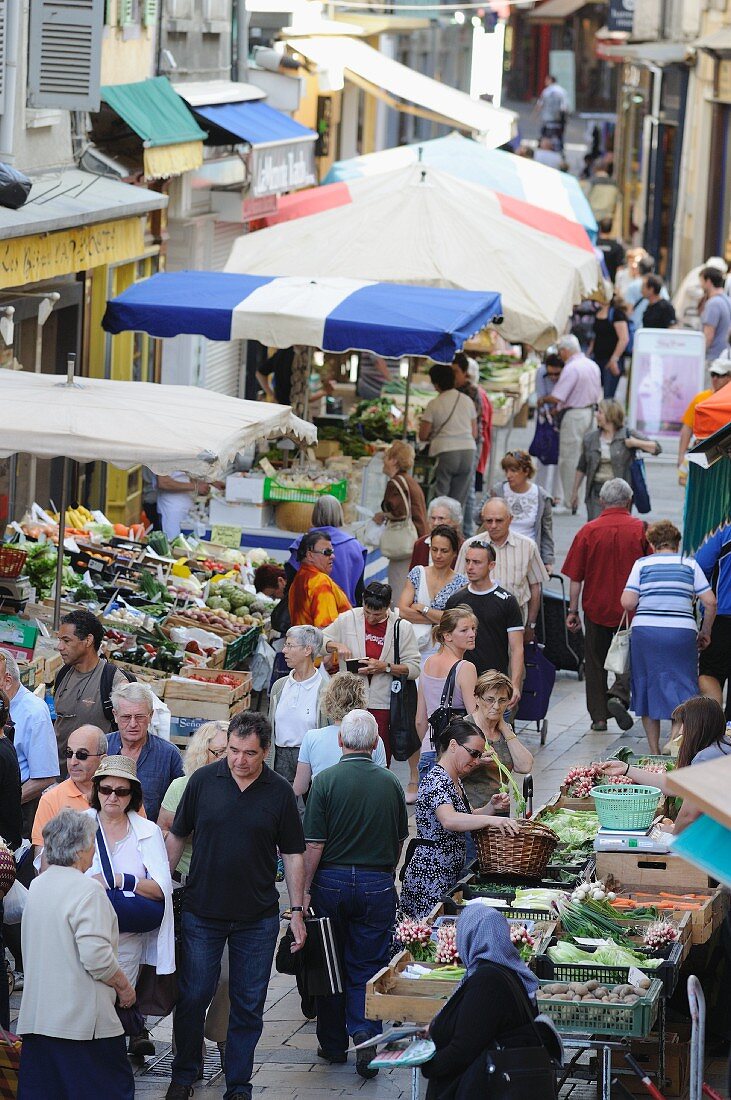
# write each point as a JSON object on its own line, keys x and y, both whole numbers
{"x": 664, "y": 642}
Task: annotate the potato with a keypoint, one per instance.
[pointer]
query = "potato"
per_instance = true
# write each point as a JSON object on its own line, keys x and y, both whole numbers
{"x": 579, "y": 988}
{"x": 631, "y": 999}
{"x": 556, "y": 987}
{"x": 613, "y": 998}
{"x": 622, "y": 990}
{"x": 592, "y": 985}
{"x": 644, "y": 983}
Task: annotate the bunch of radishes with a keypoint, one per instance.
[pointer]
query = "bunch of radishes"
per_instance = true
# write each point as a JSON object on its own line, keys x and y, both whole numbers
{"x": 660, "y": 934}
{"x": 581, "y": 780}
{"x": 415, "y": 937}
{"x": 523, "y": 940}
{"x": 447, "y": 943}
{"x": 592, "y": 891}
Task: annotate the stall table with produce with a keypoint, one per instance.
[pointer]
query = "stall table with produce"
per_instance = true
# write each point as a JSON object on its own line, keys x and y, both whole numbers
{"x": 608, "y": 949}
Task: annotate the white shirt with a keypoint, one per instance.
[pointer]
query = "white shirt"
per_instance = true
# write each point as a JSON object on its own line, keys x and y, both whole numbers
{"x": 174, "y": 507}
{"x": 524, "y": 510}
{"x": 296, "y": 711}
{"x": 320, "y": 749}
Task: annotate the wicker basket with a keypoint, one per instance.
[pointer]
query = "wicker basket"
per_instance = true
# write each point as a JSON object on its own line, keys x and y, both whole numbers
{"x": 12, "y": 561}
{"x": 526, "y": 853}
{"x": 294, "y": 516}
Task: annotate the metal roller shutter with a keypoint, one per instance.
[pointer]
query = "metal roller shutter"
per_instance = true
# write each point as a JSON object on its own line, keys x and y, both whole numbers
{"x": 223, "y": 357}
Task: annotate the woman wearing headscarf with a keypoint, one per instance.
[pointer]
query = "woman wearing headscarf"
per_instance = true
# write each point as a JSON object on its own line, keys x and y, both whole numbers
{"x": 496, "y": 1000}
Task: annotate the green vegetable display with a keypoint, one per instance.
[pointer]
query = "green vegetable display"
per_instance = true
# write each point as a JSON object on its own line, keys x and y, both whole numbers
{"x": 589, "y": 920}
{"x": 536, "y": 898}
{"x": 40, "y": 567}
{"x": 613, "y": 954}
{"x": 576, "y": 830}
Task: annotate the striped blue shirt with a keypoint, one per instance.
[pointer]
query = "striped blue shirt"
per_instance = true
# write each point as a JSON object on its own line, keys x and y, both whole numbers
{"x": 666, "y": 584}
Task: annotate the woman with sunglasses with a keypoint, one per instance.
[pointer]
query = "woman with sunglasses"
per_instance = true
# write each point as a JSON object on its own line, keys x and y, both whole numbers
{"x": 435, "y": 859}
{"x": 131, "y": 863}
{"x": 206, "y": 746}
{"x": 314, "y": 597}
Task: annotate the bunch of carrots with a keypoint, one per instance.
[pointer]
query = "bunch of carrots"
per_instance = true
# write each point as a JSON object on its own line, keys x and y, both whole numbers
{"x": 660, "y": 900}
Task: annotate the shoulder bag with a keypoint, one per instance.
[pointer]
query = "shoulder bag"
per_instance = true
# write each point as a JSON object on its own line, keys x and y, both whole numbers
{"x": 445, "y": 712}
{"x": 444, "y": 423}
{"x": 402, "y": 719}
{"x": 397, "y": 541}
{"x": 157, "y": 994}
{"x": 544, "y": 445}
{"x": 135, "y": 913}
{"x": 617, "y": 659}
{"x": 638, "y": 482}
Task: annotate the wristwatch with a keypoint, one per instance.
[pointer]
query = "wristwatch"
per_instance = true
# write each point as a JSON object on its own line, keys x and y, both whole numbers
{"x": 572, "y": 611}
{"x": 388, "y": 669}
{"x": 532, "y": 626}
{"x": 296, "y": 908}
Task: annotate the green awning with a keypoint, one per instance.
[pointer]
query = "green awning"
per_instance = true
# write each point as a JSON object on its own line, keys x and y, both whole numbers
{"x": 154, "y": 111}
{"x": 707, "y": 502}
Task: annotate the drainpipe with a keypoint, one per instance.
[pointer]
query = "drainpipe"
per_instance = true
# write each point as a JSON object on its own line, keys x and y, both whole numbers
{"x": 12, "y": 52}
{"x": 242, "y": 41}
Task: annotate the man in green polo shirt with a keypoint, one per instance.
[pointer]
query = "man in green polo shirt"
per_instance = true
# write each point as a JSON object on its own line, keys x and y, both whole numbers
{"x": 355, "y": 825}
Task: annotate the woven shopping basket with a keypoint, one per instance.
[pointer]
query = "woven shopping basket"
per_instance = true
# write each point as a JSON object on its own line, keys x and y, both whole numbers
{"x": 12, "y": 561}
{"x": 525, "y": 853}
{"x": 9, "y": 1064}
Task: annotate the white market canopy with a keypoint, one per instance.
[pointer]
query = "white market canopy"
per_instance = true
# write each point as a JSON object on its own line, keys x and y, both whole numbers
{"x": 167, "y": 428}
{"x": 422, "y": 226}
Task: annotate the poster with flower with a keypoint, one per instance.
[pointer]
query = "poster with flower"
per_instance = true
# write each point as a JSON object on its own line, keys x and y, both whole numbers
{"x": 668, "y": 371}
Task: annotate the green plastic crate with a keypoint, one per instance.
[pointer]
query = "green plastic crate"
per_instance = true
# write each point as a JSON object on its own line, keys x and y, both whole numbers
{"x": 238, "y": 650}
{"x": 276, "y": 492}
{"x": 598, "y": 1018}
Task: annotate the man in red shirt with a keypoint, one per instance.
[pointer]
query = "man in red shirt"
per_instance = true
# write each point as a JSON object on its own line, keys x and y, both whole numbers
{"x": 600, "y": 558}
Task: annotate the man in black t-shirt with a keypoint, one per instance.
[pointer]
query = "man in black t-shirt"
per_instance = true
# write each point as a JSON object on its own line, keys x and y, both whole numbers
{"x": 659, "y": 312}
{"x": 499, "y": 642}
{"x": 238, "y": 812}
{"x": 611, "y": 248}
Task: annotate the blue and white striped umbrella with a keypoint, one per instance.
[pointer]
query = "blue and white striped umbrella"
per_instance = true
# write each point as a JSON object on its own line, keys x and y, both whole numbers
{"x": 335, "y": 314}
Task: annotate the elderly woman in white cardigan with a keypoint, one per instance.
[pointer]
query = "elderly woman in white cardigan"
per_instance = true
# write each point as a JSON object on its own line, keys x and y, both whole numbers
{"x": 365, "y": 637}
{"x": 131, "y": 850}
{"x": 73, "y": 1046}
{"x": 295, "y": 701}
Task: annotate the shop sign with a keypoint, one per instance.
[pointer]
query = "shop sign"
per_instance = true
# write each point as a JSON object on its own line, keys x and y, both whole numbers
{"x": 35, "y": 258}
{"x": 225, "y": 535}
{"x": 620, "y": 15}
{"x": 723, "y": 91}
{"x": 276, "y": 169}
{"x": 667, "y": 372}
{"x": 259, "y": 208}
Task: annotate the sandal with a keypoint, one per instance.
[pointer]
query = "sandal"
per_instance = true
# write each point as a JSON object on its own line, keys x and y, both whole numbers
{"x": 412, "y": 791}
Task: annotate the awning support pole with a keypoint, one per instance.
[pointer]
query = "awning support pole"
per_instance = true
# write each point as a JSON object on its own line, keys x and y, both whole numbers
{"x": 63, "y": 505}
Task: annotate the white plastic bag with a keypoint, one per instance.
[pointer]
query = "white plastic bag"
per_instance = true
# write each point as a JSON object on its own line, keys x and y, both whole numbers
{"x": 262, "y": 663}
{"x": 14, "y": 903}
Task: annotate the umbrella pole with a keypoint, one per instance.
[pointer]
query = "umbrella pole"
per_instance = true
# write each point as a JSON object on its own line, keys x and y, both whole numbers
{"x": 407, "y": 397}
{"x": 63, "y": 505}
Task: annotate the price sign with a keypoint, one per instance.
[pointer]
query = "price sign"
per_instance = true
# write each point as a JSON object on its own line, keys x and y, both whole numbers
{"x": 226, "y": 536}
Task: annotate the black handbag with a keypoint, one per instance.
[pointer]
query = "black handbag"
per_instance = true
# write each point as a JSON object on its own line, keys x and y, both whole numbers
{"x": 157, "y": 994}
{"x": 402, "y": 720}
{"x": 317, "y": 966}
{"x": 440, "y": 718}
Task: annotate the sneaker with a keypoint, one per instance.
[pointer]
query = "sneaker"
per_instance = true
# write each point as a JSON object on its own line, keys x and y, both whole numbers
{"x": 140, "y": 1045}
{"x": 363, "y": 1057}
{"x": 618, "y": 710}
{"x": 177, "y": 1091}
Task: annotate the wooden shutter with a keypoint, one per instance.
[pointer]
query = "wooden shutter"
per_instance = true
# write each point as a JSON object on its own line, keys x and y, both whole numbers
{"x": 64, "y": 54}
{"x": 3, "y": 20}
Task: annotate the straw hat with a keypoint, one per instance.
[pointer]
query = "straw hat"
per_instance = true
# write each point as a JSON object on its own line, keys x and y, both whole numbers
{"x": 119, "y": 766}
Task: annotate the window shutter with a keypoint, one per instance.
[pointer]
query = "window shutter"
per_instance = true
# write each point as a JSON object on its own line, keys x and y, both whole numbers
{"x": 64, "y": 54}
{"x": 126, "y": 12}
{"x": 149, "y": 12}
{"x": 3, "y": 16}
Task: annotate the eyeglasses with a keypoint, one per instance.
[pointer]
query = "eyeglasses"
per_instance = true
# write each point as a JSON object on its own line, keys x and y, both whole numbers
{"x": 81, "y": 754}
{"x": 479, "y": 546}
{"x": 476, "y": 754}
{"x": 133, "y": 719}
{"x": 217, "y": 753}
{"x": 326, "y": 553}
{"x": 491, "y": 701}
{"x": 119, "y": 792}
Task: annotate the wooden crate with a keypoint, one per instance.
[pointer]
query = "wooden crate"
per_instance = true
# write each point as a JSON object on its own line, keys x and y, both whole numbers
{"x": 392, "y": 997}
{"x": 155, "y": 680}
{"x": 208, "y": 711}
{"x": 647, "y": 869}
{"x": 502, "y": 414}
{"x": 199, "y": 684}
{"x": 703, "y": 922}
{"x": 193, "y": 624}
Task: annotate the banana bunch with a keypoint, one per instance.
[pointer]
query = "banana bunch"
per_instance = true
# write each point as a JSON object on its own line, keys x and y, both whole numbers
{"x": 78, "y": 517}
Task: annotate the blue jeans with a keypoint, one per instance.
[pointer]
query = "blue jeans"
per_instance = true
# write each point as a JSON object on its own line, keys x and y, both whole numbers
{"x": 251, "y": 947}
{"x": 362, "y": 908}
{"x": 427, "y": 760}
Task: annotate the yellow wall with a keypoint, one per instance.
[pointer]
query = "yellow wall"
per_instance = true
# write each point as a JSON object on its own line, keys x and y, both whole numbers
{"x": 130, "y": 60}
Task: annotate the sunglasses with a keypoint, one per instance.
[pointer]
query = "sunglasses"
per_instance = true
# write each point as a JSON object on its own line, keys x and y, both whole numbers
{"x": 326, "y": 553}
{"x": 474, "y": 753}
{"x": 120, "y": 792}
{"x": 81, "y": 754}
{"x": 479, "y": 546}
{"x": 217, "y": 753}
{"x": 517, "y": 454}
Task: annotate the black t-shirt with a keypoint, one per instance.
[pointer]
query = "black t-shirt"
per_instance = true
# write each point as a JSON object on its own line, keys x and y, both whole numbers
{"x": 280, "y": 365}
{"x": 605, "y": 336}
{"x": 613, "y": 254}
{"x": 235, "y": 839}
{"x": 11, "y": 818}
{"x": 497, "y": 613}
{"x": 659, "y": 314}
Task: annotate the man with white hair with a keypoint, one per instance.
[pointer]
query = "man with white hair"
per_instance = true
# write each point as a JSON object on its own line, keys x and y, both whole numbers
{"x": 34, "y": 739}
{"x": 355, "y": 825}
{"x": 576, "y": 395}
{"x": 599, "y": 561}
{"x": 158, "y": 761}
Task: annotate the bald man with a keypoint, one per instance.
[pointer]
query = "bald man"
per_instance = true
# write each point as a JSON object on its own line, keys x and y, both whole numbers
{"x": 87, "y": 746}
{"x": 518, "y": 565}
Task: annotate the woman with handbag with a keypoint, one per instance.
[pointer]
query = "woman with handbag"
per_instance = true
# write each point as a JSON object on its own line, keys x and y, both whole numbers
{"x": 608, "y": 451}
{"x": 403, "y": 510}
{"x": 490, "y": 1026}
{"x": 435, "y": 858}
{"x": 73, "y": 1046}
{"x": 449, "y": 425}
{"x": 664, "y": 640}
{"x": 446, "y": 685}
{"x": 364, "y": 639}
{"x": 131, "y": 863}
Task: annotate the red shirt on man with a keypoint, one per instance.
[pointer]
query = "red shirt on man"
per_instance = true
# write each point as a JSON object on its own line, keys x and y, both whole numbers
{"x": 601, "y": 556}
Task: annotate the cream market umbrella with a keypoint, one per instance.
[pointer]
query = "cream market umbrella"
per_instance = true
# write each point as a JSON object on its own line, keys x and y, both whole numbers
{"x": 422, "y": 226}
{"x": 167, "y": 428}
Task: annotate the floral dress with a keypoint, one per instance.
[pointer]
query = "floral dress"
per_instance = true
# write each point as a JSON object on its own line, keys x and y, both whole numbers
{"x": 434, "y": 867}
{"x": 417, "y": 576}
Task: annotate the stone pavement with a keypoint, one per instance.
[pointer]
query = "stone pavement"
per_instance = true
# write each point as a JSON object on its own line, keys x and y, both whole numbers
{"x": 286, "y": 1062}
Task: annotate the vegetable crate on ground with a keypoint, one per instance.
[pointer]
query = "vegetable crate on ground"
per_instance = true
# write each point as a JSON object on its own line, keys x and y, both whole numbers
{"x": 667, "y": 972}
{"x": 195, "y": 701}
{"x": 599, "y": 1017}
{"x": 390, "y": 996}
{"x": 704, "y": 908}
{"x": 241, "y": 648}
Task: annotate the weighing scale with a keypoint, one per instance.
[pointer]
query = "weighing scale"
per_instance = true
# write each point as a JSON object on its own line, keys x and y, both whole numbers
{"x": 654, "y": 839}
{"x": 14, "y": 594}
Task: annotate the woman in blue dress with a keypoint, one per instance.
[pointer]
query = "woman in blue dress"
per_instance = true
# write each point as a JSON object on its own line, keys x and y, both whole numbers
{"x": 665, "y": 640}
